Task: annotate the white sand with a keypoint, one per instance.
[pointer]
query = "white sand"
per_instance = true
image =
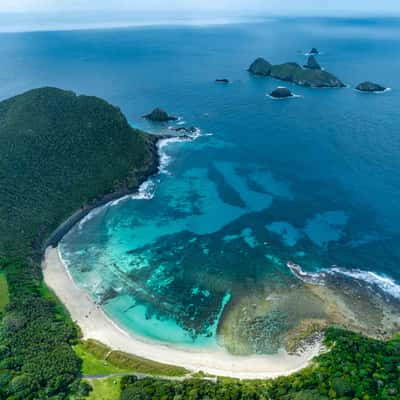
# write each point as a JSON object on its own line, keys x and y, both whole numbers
{"x": 96, "y": 325}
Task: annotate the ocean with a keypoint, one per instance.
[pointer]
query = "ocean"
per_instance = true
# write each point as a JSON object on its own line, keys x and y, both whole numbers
{"x": 313, "y": 180}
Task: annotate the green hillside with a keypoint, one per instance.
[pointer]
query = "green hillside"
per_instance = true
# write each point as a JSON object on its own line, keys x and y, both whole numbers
{"x": 59, "y": 152}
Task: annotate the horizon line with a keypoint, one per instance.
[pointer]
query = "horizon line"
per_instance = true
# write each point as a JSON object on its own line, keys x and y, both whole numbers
{"x": 26, "y": 26}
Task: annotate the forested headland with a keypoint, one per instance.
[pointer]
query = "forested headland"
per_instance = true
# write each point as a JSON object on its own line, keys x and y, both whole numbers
{"x": 59, "y": 153}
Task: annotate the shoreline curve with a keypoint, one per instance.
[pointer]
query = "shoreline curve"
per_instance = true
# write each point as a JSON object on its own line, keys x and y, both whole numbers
{"x": 95, "y": 324}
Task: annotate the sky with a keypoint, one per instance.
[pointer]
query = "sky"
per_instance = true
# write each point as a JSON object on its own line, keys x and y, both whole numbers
{"x": 273, "y": 6}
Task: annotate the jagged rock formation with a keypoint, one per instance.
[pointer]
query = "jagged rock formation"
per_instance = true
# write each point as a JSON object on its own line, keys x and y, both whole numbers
{"x": 312, "y": 63}
{"x": 159, "y": 115}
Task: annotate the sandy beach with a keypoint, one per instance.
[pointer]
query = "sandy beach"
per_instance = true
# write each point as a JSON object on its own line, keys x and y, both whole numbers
{"x": 95, "y": 324}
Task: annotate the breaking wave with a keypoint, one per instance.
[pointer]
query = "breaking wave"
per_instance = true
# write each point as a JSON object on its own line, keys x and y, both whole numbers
{"x": 147, "y": 189}
{"x": 384, "y": 283}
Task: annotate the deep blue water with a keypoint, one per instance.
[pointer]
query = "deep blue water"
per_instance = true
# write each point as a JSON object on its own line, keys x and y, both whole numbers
{"x": 314, "y": 179}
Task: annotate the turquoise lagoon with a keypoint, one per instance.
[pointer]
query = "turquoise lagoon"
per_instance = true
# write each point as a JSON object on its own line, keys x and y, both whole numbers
{"x": 314, "y": 180}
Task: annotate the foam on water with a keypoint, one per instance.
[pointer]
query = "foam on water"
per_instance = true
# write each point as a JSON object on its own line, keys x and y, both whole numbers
{"x": 386, "y": 284}
{"x": 373, "y": 92}
{"x": 145, "y": 192}
{"x": 165, "y": 158}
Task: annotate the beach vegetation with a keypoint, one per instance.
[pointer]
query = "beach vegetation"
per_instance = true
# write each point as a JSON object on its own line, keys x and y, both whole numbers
{"x": 99, "y": 359}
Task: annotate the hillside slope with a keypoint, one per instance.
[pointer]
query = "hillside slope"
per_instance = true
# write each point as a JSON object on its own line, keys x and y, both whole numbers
{"x": 58, "y": 152}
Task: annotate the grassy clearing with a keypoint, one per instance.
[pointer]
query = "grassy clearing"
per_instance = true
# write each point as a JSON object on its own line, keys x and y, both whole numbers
{"x": 4, "y": 295}
{"x": 105, "y": 389}
{"x": 98, "y": 359}
{"x": 95, "y": 364}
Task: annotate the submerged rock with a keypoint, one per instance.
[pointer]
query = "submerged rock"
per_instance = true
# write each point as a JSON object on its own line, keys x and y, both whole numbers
{"x": 223, "y": 80}
{"x": 108, "y": 295}
{"x": 314, "y": 51}
{"x": 312, "y": 63}
{"x": 192, "y": 129}
{"x": 159, "y": 115}
{"x": 260, "y": 67}
{"x": 281, "y": 93}
{"x": 293, "y": 72}
{"x": 370, "y": 87}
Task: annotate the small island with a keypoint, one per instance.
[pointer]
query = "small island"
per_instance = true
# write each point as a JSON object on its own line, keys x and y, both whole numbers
{"x": 293, "y": 72}
{"x": 281, "y": 93}
{"x": 159, "y": 115}
{"x": 370, "y": 87}
{"x": 314, "y": 51}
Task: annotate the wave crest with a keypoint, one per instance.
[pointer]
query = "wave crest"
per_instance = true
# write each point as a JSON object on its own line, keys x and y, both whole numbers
{"x": 385, "y": 284}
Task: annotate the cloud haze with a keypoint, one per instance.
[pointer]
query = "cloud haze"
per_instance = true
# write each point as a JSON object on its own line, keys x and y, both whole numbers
{"x": 295, "y": 6}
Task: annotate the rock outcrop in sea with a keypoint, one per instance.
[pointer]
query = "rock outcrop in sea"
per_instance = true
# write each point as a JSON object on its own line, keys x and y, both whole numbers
{"x": 159, "y": 115}
{"x": 370, "y": 87}
{"x": 314, "y": 51}
{"x": 260, "y": 67}
{"x": 223, "y": 80}
{"x": 293, "y": 72}
{"x": 281, "y": 93}
{"x": 192, "y": 129}
{"x": 312, "y": 63}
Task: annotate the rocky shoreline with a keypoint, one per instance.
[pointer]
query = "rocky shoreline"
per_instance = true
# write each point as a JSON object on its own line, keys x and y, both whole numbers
{"x": 151, "y": 169}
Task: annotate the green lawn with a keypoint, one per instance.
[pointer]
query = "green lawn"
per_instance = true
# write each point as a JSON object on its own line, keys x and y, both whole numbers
{"x": 105, "y": 389}
{"x": 4, "y": 298}
{"x": 96, "y": 364}
{"x": 98, "y": 359}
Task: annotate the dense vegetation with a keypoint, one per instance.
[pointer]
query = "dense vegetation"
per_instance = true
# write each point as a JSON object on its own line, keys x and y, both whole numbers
{"x": 59, "y": 153}
{"x": 4, "y": 296}
{"x": 37, "y": 360}
{"x": 356, "y": 368}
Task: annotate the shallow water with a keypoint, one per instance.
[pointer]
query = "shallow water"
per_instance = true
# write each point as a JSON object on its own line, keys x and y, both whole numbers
{"x": 313, "y": 180}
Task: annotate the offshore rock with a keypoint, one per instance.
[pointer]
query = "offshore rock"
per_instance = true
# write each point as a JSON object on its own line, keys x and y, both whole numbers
{"x": 370, "y": 87}
{"x": 159, "y": 115}
{"x": 281, "y": 93}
